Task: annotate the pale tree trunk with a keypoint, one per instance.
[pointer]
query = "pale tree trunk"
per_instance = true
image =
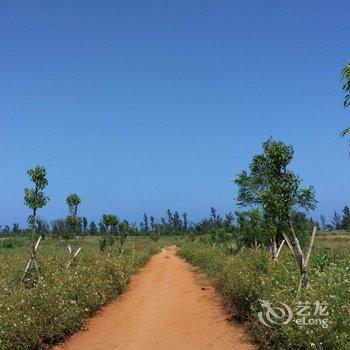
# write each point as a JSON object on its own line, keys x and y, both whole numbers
{"x": 299, "y": 256}
{"x": 273, "y": 247}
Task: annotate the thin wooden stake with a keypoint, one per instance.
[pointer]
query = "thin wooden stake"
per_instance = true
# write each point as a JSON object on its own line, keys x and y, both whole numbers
{"x": 77, "y": 252}
{"x": 32, "y": 259}
{"x": 73, "y": 256}
{"x": 280, "y": 248}
{"x": 37, "y": 243}
{"x": 311, "y": 246}
{"x": 288, "y": 243}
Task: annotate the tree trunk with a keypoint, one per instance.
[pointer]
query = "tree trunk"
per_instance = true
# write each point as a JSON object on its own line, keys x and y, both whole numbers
{"x": 299, "y": 257}
{"x": 273, "y": 247}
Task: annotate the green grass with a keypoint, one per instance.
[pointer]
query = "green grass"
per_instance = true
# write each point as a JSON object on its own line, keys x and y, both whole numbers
{"x": 336, "y": 241}
{"x": 32, "y": 318}
{"x": 246, "y": 277}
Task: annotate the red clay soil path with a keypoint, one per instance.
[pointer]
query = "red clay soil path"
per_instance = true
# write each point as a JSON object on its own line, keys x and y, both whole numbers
{"x": 164, "y": 308}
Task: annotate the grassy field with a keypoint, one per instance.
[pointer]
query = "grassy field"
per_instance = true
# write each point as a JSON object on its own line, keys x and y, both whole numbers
{"x": 336, "y": 241}
{"x": 32, "y": 318}
{"x": 245, "y": 277}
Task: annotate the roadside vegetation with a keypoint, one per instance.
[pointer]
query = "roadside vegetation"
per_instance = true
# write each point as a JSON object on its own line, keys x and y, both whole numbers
{"x": 248, "y": 276}
{"x": 31, "y": 318}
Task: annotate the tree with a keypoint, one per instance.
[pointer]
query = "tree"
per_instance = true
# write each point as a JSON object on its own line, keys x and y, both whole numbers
{"x": 102, "y": 228}
{"x": 93, "y": 229}
{"x": 144, "y": 224}
{"x": 124, "y": 231}
{"x": 111, "y": 222}
{"x": 275, "y": 189}
{"x": 73, "y": 221}
{"x": 228, "y": 221}
{"x": 176, "y": 222}
{"x": 74, "y": 224}
{"x": 184, "y": 222}
{"x": 85, "y": 225}
{"x": 214, "y": 217}
{"x": 43, "y": 227}
{"x": 336, "y": 221}
{"x": 170, "y": 217}
{"x": 34, "y": 198}
{"x": 152, "y": 222}
{"x": 345, "y": 222}
{"x": 60, "y": 228}
{"x": 345, "y": 74}
{"x": 323, "y": 222}
{"x": 271, "y": 187}
{"x": 15, "y": 228}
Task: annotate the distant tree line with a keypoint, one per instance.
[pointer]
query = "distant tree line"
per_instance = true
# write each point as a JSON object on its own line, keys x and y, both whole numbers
{"x": 175, "y": 223}
{"x": 337, "y": 222}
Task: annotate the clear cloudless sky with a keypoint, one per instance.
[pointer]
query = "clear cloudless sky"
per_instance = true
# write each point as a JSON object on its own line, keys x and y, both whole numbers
{"x": 140, "y": 106}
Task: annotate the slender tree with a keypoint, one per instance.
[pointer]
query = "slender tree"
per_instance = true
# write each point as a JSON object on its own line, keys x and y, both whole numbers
{"x": 111, "y": 222}
{"x": 125, "y": 230}
{"x": 93, "y": 229}
{"x": 336, "y": 221}
{"x": 34, "y": 198}
{"x": 74, "y": 223}
{"x": 184, "y": 222}
{"x": 85, "y": 225}
{"x": 345, "y": 74}
{"x": 152, "y": 222}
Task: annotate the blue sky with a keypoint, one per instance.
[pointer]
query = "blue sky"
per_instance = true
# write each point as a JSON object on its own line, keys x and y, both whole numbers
{"x": 147, "y": 105}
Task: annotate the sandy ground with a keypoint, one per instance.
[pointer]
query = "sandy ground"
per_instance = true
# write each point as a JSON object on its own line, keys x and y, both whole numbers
{"x": 167, "y": 306}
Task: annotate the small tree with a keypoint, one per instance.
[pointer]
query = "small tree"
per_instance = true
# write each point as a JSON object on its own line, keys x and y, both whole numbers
{"x": 34, "y": 198}
{"x": 345, "y": 74}
{"x": 345, "y": 222}
{"x": 144, "y": 224}
{"x": 274, "y": 188}
{"x": 74, "y": 224}
{"x": 110, "y": 222}
{"x": 323, "y": 222}
{"x": 85, "y": 225}
{"x": 271, "y": 187}
{"x": 15, "y": 228}
{"x": 184, "y": 222}
{"x": 124, "y": 232}
{"x": 152, "y": 222}
{"x": 93, "y": 229}
{"x": 336, "y": 221}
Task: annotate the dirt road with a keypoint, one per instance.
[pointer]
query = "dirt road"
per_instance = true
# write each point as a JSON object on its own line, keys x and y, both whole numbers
{"x": 166, "y": 307}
